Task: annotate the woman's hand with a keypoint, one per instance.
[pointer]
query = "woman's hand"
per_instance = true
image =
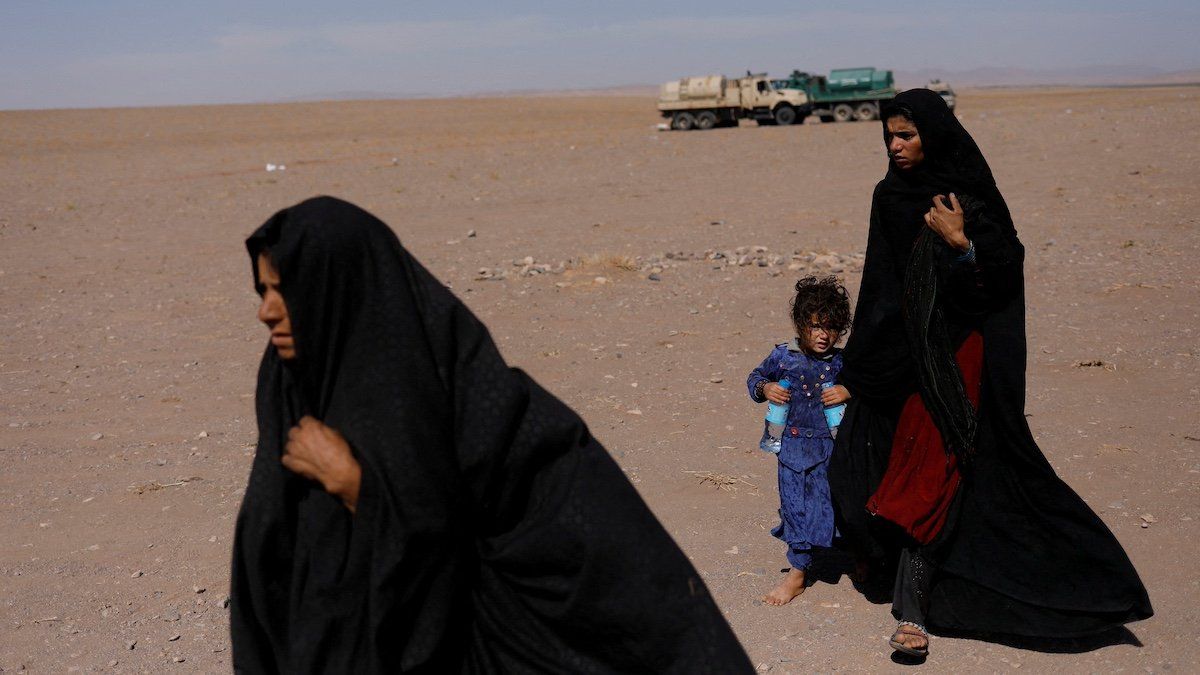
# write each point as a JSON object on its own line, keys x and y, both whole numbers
{"x": 835, "y": 395}
{"x": 318, "y": 452}
{"x": 948, "y": 222}
{"x": 776, "y": 393}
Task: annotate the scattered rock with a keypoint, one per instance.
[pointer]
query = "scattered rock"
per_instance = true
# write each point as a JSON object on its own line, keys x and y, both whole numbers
{"x": 136, "y": 574}
{"x": 174, "y": 637}
{"x": 470, "y": 234}
{"x": 653, "y": 276}
{"x": 131, "y": 644}
{"x": 716, "y": 379}
{"x": 202, "y": 434}
{"x": 224, "y": 603}
{"x": 97, "y": 436}
{"x": 198, "y": 589}
{"x": 741, "y": 256}
{"x": 178, "y": 659}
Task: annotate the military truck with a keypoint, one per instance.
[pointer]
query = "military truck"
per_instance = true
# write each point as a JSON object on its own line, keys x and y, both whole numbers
{"x": 717, "y": 101}
{"x": 943, "y": 89}
{"x": 845, "y": 95}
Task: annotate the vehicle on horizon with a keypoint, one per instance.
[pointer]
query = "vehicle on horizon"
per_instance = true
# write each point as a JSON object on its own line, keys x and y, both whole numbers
{"x": 846, "y": 94}
{"x": 943, "y": 89}
{"x": 712, "y": 101}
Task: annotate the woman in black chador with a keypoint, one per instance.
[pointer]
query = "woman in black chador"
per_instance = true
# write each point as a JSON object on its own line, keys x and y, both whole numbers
{"x": 415, "y": 505}
{"x": 934, "y": 455}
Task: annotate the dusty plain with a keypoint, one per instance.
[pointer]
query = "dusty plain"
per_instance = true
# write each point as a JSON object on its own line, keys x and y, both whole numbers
{"x": 128, "y": 344}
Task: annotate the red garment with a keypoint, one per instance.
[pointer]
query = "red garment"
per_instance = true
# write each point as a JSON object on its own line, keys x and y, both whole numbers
{"x": 921, "y": 478}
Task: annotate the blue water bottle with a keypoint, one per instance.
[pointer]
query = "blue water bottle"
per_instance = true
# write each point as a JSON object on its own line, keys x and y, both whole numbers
{"x": 774, "y": 424}
{"x": 833, "y": 413}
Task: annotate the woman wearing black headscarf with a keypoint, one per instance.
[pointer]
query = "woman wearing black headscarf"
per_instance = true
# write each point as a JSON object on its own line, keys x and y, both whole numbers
{"x": 934, "y": 455}
{"x": 415, "y": 505}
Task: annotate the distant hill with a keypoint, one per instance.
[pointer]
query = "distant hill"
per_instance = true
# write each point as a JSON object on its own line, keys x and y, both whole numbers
{"x": 1088, "y": 76}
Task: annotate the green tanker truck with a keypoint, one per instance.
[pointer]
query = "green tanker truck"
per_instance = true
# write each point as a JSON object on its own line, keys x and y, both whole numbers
{"x": 845, "y": 95}
{"x": 850, "y": 94}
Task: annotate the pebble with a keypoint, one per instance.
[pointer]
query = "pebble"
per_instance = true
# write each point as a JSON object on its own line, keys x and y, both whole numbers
{"x": 113, "y": 663}
{"x": 178, "y": 659}
{"x": 136, "y": 574}
{"x": 174, "y": 637}
{"x": 97, "y": 436}
{"x": 198, "y": 589}
{"x": 224, "y": 603}
{"x": 470, "y": 234}
{"x": 716, "y": 380}
{"x": 654, "y": 277}
{"x": 131, "y": 644}
{"x": 202, "y": 434}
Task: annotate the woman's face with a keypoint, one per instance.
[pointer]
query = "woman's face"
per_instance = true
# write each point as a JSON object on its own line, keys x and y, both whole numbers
{"x": 905, "y": 145}
{"x": 272, "y": 311}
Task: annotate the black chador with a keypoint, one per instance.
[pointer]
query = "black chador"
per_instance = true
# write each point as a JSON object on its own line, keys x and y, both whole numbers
{"x": 1021, "y": 553}
{"x": 492, "y": 532}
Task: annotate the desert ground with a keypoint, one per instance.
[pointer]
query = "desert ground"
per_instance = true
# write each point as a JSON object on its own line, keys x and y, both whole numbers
{"x": 604, "y": 256}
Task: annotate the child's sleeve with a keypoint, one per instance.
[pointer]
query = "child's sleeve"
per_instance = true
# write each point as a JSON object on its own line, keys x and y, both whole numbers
{"x": 767, "y": 371}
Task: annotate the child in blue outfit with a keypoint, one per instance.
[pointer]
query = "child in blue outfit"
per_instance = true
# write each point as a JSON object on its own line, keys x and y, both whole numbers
{"x": 820, "y": 314}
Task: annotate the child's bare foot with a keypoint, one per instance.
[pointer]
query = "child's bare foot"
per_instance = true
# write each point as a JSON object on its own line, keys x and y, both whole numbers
{"x": 791, "y": 586}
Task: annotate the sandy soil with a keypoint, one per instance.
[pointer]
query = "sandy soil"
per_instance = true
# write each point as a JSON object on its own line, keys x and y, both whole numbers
{"x": 128, "y": 343}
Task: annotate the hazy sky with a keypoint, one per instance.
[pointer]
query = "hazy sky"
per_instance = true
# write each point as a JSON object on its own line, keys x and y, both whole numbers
{"x": 126, "y": 52}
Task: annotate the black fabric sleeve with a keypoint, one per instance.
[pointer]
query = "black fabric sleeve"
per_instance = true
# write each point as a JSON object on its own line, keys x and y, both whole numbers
{"x": 994, "y": 278}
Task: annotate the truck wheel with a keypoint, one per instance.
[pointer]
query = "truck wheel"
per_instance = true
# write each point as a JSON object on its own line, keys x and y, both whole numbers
{"x": 785, "y": 115}
{"x": 683, "y": 121}
{"x": 706, "y": 120}
{"x": 865, "y": 112}
{"x": 842, "y": 112}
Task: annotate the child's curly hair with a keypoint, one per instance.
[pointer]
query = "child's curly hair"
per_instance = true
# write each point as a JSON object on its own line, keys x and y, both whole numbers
{"x": 824, "y": 297}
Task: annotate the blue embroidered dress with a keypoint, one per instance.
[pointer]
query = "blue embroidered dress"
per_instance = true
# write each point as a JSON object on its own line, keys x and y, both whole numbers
{"x": 805, "y": 509}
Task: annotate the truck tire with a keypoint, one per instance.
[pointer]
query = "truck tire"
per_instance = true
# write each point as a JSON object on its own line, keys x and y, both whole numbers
{"x": 706, "y": 120}
{"x": 785, "y": 115}
{"x": 683, "y": 121}
{"x": 842, "y": 112}
{"x": 865, "y": 112}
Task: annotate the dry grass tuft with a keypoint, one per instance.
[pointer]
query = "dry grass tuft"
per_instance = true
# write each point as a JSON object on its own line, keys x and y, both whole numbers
{"x": 720, "y": 481}
{"x": 608, "y": 261}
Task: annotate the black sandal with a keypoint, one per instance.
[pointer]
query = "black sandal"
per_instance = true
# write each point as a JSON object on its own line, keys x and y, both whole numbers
{"x": 905, "y": 649}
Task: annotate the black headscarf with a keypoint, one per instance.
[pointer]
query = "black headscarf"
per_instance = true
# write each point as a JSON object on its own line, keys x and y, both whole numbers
{"x": 492, "y": 532}
{"x": 1023, "y": 553}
